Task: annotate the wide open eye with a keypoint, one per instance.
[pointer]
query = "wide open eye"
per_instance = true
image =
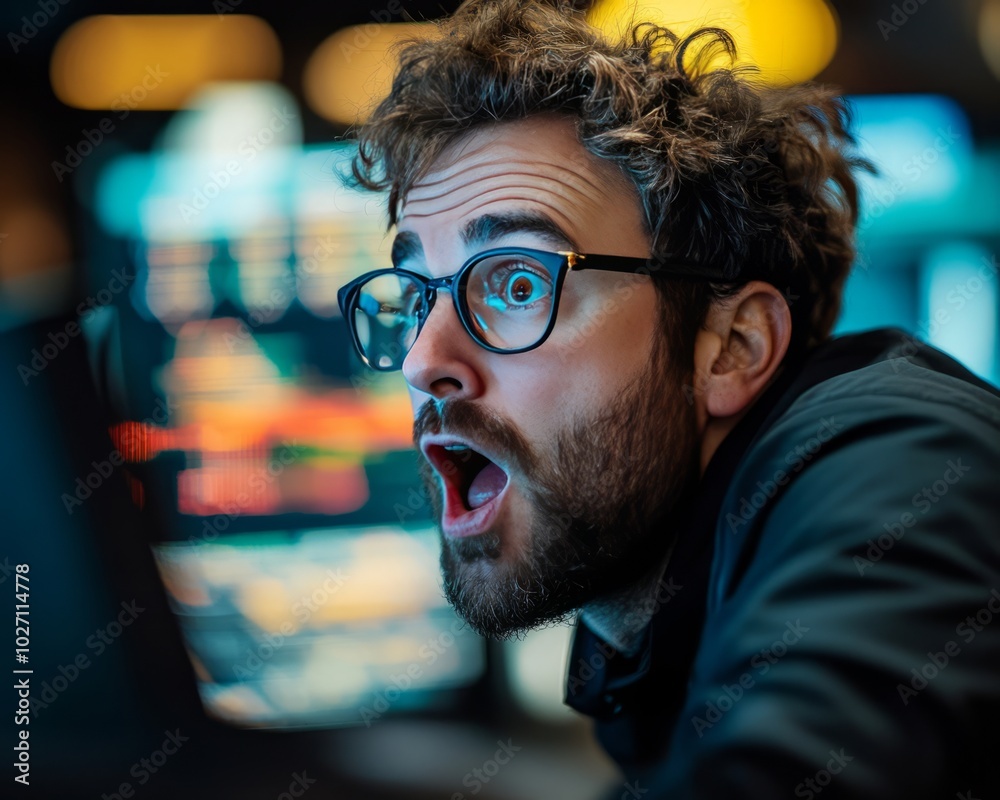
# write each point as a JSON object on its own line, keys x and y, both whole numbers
{"x": 510, "y": 298}
{"x": 522, "y": 288}
{"x": 515, "y": 285}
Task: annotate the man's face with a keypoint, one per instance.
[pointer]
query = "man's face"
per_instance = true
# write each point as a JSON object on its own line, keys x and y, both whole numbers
{"x": 548, "y": 468}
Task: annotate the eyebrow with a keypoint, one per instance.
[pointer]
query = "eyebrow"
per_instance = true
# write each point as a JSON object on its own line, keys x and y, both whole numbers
{"x": 405, "y": 247}
{"x": 487, "y": 228}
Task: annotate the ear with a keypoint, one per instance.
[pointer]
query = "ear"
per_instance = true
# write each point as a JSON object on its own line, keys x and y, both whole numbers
{"x": 739, "y": 349}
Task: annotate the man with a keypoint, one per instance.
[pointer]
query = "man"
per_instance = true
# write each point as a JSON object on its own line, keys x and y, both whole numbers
{"x": 614, "y": 276}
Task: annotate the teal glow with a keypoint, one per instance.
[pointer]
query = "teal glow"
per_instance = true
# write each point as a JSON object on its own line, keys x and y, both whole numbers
{"x": 922, "y": 146}
{"x": 878, "y": 297}
{"x": 960, "y": 297}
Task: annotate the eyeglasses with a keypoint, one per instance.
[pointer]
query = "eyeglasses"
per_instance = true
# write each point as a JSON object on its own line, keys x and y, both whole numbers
{"x": 506, "y": 298}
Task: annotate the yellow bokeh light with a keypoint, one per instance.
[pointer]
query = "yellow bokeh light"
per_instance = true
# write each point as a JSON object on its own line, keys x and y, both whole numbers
{"x": 352, "y": 69}
{"x": 789, "y": 41}
{"x": 156, "y": 62}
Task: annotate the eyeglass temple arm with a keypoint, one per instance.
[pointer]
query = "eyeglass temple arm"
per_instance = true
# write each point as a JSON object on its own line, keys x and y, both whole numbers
{"x": 644, "y": 266}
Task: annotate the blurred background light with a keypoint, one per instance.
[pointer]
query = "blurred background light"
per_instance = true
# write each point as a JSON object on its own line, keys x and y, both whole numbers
{"x": 277, "y": 456}
{"x": 34, "y": 260}
{"x": 922, "y": 144}
{"x": 294, "y": 630}
{"x": 989, "y": 34}
{"x": 352, "y": 69}
{"x": 36, "y": 251}
{"x": 538, "y": 665}
{"x": 157, "y": 61}
{"x": 789, "y": 41}
{"x": 223, "y": 164}
{"x": 959, "y": 305}
{"x": 925, "y": 259}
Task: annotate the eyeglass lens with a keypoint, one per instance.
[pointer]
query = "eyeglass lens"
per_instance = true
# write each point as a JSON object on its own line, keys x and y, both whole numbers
{"x": 387, "y": 317}
{"x": 508, "y": 302}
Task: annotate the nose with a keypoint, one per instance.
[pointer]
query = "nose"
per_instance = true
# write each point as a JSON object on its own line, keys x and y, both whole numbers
{"x": 444, "y": 360}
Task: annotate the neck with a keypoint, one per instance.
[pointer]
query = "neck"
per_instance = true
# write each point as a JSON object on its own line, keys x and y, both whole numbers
{"x": 718, "y": 428}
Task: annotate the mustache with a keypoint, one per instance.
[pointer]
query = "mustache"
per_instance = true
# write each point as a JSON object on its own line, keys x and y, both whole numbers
{"x": 480, "y": 425}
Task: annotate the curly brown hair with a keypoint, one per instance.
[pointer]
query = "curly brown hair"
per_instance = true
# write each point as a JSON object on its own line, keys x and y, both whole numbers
{"x": 756, "y": 181}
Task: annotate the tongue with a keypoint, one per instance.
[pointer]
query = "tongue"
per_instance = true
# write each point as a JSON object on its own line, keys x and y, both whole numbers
{"x": 486, "y": 485}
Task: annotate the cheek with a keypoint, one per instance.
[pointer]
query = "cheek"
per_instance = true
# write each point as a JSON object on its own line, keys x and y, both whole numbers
{"x": 533, "y": 396}
{"x": 584, "y": 364}
{"x": 608, "y": 335}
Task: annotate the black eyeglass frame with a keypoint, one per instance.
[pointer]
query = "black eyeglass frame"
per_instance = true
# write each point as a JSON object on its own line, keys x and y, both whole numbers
{"x": 559, "y": 263}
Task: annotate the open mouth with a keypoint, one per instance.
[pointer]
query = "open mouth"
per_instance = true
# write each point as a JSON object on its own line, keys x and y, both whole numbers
{"x": 473, "y": 485}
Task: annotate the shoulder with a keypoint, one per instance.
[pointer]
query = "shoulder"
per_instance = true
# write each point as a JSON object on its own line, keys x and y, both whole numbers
{"x": 859, "y": 454}
{"x": 894, "y": 390}
{"x": 857, "y": 563}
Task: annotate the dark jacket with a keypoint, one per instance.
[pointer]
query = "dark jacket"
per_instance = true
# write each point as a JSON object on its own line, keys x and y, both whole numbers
{"x": 829, "y": 621}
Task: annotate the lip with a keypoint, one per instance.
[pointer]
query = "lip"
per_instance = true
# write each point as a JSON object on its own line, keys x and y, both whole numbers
{"x": 456, "y": 521}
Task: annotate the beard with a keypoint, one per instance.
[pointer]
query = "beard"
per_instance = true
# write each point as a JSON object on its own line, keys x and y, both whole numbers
{"x": 601, "y": 500}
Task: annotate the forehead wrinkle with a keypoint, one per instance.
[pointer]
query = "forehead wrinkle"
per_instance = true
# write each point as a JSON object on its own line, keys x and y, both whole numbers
{"x": 459, "y": 197}
{"x": 479, "y": 172}
{"x": 532, "y": 188}
{"x": 558, "y": 217}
